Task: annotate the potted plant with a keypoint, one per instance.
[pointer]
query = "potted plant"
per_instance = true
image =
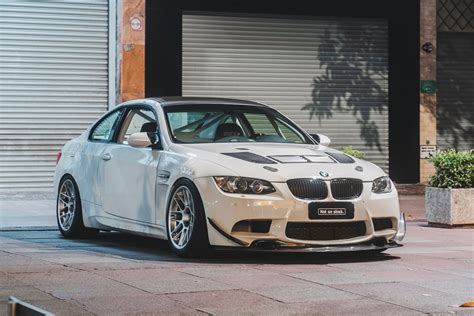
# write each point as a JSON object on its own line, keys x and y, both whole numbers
{"x": 353, "y": 152}
{"x": 449, "y": 198}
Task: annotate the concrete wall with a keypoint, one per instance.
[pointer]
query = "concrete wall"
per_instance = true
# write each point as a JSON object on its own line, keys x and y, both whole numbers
{"x": 427, "y": 72}
{"x": 131, "y": 47}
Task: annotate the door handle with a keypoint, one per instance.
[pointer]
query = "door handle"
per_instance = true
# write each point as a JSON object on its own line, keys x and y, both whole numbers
{"x": 106, "y": 157}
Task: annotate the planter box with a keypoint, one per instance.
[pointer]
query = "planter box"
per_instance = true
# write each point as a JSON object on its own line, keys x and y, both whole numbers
{"x": 449, "y": 207}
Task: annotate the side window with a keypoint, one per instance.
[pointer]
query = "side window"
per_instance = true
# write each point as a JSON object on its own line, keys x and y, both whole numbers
{"x": 104, "y": 131}
{"x": 137, "y": 120}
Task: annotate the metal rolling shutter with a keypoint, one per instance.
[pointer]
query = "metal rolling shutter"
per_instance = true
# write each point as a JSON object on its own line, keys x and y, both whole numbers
{"x": 53, "y": 83}
{"x": 339, "y": 64}
{"x": 455, "y": 112}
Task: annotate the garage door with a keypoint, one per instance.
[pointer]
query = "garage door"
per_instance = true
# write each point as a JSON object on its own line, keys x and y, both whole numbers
{"x": 330, "y": 75}
{"x": 455, "y": 110}
{"x": 54, "y": 79}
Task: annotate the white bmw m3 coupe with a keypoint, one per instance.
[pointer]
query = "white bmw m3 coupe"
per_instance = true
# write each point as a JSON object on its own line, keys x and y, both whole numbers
{"x": 207, "y": 173}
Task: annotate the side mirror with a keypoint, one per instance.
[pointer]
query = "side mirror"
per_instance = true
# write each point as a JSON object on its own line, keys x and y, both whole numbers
{"x": 321, "y": 139}
{"x": 139, "y": 140}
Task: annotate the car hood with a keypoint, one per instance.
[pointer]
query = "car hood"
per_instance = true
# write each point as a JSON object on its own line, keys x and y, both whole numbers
{"x": 281, "y": 162}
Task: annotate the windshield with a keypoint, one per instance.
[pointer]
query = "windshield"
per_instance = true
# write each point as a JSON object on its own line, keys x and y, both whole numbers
{"x": 224, "y": 123}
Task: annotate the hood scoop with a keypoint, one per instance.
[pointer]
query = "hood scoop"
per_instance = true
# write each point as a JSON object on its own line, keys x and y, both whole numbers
{"x": 341, "y": 158}
{"x": 302, "y": 158}
{"x": 250, "y": 157}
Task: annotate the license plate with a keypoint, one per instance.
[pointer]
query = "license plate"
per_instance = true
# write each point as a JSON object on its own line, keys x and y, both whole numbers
{"x": 331, "y": 210}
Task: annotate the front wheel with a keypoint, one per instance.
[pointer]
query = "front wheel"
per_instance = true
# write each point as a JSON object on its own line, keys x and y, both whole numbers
{"x": 69, "y": 210}
{"x": 186, "y": 221}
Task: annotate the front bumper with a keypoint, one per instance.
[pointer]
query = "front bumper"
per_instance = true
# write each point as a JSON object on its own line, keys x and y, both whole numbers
{"x": 225, "y": 210}
{"x": 276, "y": 246}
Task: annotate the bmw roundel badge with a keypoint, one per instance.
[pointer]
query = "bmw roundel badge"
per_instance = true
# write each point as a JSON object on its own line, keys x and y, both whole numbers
{"x": 323, "y": 174}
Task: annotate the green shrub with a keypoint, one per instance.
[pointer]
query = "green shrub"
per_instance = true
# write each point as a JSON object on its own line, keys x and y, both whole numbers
{"x": 453, "y": 169}
{"x": 353, "y": 152}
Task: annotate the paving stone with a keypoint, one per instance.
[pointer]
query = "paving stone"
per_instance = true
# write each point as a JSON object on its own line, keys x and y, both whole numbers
{"x": 258, "y": 310}
{"x": 136, "y": 305}
{"x": 23, "y": 292}
{"x": 117, "y": 274}
{"x": 264, "y": 280}
{"x": 408, "y": 295}
{"x": 396, "y": 275}
{"x": 161, "y": 281}
{"x": 36, "y": 268}
{"x": 223, "y": 300}
{"x": 360, "y": 306}
{"x": 458, "y": 268}
{"x": 303, "y": 293}
{"x": 72, "y": 285}
{"x": 294, "y": 268}
{"x": 123, "y": 265}
{"x": 8, "y": 280}
{"x": 454, "y": 286}
{"x": 68, "y": 257}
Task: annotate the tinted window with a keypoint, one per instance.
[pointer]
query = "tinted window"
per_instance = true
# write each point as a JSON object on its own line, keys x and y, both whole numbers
{"x": 104, "y": 131}
{"x": 207, "y": 124}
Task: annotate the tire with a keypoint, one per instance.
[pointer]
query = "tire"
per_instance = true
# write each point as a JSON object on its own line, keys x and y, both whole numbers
{"x": 69, "y": 210}
{"x": 186, "y": 223}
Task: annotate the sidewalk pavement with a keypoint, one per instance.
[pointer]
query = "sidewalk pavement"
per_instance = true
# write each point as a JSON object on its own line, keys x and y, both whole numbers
{"x": 38, "y": 210}
{"x": 119, "y": 274}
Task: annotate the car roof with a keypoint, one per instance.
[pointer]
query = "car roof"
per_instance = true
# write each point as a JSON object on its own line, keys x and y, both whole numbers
{"x": 168, "y": 101}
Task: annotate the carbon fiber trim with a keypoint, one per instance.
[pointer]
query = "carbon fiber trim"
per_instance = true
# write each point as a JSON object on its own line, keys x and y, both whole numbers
{"x": 341, "y": 158}
{"x": 250, "y": 157}
{"x": 280, "y": 247}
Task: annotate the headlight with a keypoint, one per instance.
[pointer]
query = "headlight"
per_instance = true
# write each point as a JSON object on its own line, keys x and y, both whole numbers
{"x": 244, "y": 185}
{"x": 382, "y": 185}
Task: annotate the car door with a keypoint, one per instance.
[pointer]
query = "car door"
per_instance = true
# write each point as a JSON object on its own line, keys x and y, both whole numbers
{"x": 129, "y": 173}
{"x": 100, "y": 136}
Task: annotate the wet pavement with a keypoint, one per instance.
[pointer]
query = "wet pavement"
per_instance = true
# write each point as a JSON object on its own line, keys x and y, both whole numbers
{"x": 115, "y": 274}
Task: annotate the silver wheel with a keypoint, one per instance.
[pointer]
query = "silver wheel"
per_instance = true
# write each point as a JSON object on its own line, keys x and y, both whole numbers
{"x": 66, "y": 207}
{"x": 181, "y": 216}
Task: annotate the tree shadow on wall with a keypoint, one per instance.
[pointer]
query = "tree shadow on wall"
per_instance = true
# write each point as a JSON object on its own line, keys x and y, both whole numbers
{"x": 349, "y": 83}
{"x": 455, "y": 116}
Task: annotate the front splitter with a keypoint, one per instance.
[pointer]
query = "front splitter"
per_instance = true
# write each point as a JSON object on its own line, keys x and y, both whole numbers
{"x": 276, "y": 247}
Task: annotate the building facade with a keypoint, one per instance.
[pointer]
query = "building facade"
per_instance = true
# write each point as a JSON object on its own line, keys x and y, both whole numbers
{"x": 393, "y": 79}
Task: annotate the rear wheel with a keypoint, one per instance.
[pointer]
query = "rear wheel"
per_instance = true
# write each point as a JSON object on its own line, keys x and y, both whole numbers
{"x": 69, "y": 210}
{"x": 186, "y": 221}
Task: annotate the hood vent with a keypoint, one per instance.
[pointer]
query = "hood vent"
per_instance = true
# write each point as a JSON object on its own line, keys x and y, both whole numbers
{"x": 341, "y": 158}
{"x": 302, "y": 158}
{"x": 250, "y": 157}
